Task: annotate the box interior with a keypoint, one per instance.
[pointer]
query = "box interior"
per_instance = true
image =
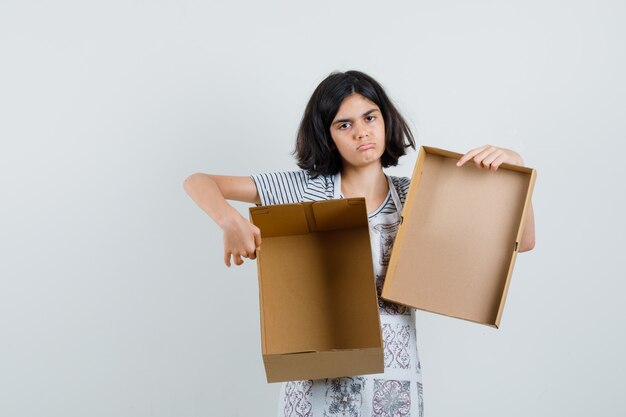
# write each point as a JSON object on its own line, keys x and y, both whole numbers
{"x": 455, "y": 249}
{"x": 314, "y": 268}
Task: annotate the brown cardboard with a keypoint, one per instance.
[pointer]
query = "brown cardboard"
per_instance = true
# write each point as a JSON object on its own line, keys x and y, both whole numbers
{"x": 317, "y": 292}
{"x": 456, "y": 247}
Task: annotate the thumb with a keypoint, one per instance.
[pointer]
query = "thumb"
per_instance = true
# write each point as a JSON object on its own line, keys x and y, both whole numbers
{"x": 257, "y": 238}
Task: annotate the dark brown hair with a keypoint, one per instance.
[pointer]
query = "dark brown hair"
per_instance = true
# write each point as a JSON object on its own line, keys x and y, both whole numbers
{"x": 315, "y": 150}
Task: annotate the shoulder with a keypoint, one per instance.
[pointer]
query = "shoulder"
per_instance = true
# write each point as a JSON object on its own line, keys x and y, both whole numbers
{"x": 280, "y": 178}
{"x": 282, "y": 187}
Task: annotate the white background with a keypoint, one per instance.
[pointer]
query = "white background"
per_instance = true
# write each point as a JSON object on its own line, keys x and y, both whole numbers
{"x": 114, "y": 300}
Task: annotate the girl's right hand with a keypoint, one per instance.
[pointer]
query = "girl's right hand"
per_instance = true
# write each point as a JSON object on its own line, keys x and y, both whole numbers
{"x": 241, "y": 238}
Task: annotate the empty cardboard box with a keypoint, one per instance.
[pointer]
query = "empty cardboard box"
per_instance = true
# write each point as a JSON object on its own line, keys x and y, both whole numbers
{"x": 317, "y": 292}
{"x": 455, "y": 249}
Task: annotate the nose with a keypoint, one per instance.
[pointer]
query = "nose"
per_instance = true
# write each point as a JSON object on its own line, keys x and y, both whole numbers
{"x": 360, "y": 130}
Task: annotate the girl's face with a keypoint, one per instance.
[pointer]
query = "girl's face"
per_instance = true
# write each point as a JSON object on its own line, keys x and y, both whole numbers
{"x": 358, "y": 131}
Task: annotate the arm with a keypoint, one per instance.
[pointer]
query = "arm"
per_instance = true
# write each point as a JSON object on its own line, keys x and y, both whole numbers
{"x": 528, "y": 235}
{"x": 209, "y": 192}
{"x": 490, "y": 157}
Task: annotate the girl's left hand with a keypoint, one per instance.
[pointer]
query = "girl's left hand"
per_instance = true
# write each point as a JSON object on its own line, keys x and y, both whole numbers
{"x": 491, "y": 157}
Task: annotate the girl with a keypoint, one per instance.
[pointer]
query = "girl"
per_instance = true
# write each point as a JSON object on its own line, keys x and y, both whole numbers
{"x": 350, "y": 131}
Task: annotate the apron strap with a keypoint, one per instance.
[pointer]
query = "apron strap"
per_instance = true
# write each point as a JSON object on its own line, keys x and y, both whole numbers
{"x": 337, "y": 185}
{"x": 394, "y": 195}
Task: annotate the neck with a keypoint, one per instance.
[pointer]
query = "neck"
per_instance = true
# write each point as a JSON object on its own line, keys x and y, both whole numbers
{"x": 367, "y": 181}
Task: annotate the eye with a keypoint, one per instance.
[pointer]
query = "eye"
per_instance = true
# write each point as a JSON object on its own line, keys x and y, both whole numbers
{"x": 370, "y": 118}
{"x": 343, "y": 126}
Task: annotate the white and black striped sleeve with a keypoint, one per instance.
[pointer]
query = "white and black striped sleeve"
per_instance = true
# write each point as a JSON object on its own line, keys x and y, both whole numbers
{"x": 280, "y": 187}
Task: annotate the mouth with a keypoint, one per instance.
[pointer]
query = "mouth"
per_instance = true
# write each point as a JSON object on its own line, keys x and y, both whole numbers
{"x": 364, "y": 146}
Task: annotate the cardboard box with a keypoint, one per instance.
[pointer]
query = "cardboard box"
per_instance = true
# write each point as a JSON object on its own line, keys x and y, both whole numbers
{"x": 317, "y": 291}
{"x": 456, "y": 247}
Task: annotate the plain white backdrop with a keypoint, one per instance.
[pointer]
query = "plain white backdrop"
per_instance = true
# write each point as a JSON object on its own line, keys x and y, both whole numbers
{"x": 114, "y": 299}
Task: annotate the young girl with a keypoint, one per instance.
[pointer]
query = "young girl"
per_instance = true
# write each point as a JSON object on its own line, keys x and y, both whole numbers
{"x": 350, "y": 131}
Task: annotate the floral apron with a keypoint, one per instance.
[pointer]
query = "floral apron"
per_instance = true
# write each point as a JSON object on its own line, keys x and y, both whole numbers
{"x": 398, "y": 391}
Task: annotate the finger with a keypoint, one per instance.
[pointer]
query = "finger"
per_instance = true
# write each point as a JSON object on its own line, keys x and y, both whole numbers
{"x": 470, "y": 155}
{"x": 487, "y": 162}
{"x": 255, "y": 254}
{"x": 257, "y": 244}
{"x": 227, "y": 259}
{"x": 250, "y": 251}
{"x": 478, "y": 159}
{"x": 498, "y": 161}
{"x": 238, "y": 260}
{"x": 257, "y": 237}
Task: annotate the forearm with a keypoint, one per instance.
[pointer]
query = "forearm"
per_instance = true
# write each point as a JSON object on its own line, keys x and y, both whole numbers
{"x": 528, "y": 235}
{"x": 207, "y": 195}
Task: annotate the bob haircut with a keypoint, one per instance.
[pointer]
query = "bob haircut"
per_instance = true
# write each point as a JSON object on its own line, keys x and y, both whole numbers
{"x": 315, "y": 150}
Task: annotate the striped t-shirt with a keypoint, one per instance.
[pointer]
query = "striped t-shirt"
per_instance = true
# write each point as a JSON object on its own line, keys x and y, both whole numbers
{"x": 298, "y": 186}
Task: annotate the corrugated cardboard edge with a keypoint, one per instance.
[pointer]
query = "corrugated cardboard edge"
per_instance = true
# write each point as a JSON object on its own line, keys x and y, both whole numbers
{"x": 261, "y": 304}
{"x": 288, "y": 367}
{"x": 380, "y": 325}
{"x": 416, "y": 178}
{"x": 258, "y": 268}
{"x": 518, "y": 239}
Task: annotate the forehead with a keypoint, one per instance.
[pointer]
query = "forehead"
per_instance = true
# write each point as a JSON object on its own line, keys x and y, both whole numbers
{"x": 355, "y": 105}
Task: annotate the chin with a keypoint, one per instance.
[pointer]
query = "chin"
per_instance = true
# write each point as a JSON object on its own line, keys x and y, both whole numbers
{"x": 364, "y": 163}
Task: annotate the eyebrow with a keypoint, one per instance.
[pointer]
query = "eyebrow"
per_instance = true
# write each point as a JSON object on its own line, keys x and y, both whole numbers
{"x": 367, "y": 113}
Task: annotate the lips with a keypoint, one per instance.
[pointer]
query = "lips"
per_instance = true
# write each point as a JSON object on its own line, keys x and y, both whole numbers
{"x": 364, "y": 146}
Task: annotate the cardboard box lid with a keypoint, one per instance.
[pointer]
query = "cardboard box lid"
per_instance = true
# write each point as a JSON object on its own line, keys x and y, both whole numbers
{"x": 456, "y": 247}
{"x": 317, "y": 291}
